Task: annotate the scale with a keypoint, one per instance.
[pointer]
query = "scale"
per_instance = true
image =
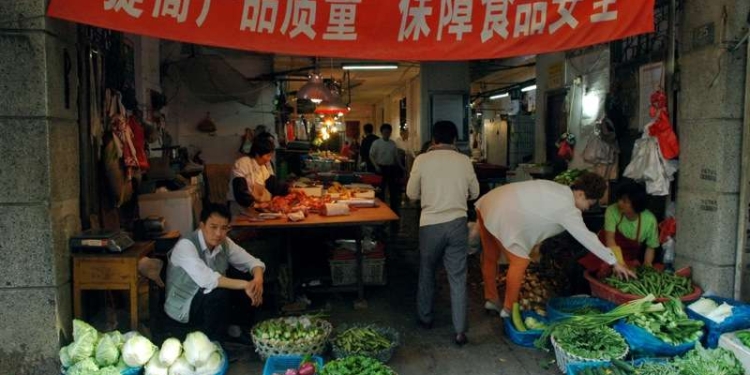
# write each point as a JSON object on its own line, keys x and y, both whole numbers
{"x": 100, "y": 240}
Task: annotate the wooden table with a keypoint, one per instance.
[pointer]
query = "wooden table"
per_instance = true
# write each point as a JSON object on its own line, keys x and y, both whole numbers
{"x": 355, "y": 220}
{"x": 109, "y": 271}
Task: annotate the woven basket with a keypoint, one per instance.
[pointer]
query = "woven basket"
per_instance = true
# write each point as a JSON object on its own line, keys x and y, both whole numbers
{"x": 383, "y": 355}
{"x": 564, "y": 358}
{"x": 316, "y": 346}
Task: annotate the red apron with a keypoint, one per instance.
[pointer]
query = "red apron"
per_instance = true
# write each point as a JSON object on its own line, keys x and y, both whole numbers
{"x": 632, "y": 250}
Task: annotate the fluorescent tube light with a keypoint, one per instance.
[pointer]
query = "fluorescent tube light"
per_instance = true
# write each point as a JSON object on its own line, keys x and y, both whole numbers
{"x": 499, "y": 96}
{"x": 369, "y": 66}
{"x": 529, "y": 88}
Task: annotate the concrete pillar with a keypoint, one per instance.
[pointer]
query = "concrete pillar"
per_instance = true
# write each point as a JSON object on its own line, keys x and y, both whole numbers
{"x": 439, "y": 78}
{"x": 710, "y": 110}
{"x": 39, "y": 186}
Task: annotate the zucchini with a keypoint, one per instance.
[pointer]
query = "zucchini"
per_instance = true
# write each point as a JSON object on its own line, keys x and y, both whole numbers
{"x": 624, "y": 366}
{"x": 517, "y": 320}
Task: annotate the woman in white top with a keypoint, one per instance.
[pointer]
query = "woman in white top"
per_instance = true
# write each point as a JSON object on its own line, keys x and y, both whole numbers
{"x": 251, "y": 175}
{"x": 513, "y": 218}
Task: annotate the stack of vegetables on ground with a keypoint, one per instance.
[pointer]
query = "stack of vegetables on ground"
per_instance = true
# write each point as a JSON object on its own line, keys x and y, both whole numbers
{"x": 362, "y": 340}
{"x": 698, "y": 361}
{"x": 671, "y": 325}
{"x": 112, "y": 353}
{"x": 356, "y": 365}
{"x": 291, "y": 335}
{"x": 651, "y": 281}
{"x": 538, "y": 287}
{"x": 599, "y": 342}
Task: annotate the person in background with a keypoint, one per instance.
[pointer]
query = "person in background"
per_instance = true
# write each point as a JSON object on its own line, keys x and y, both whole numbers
{"x": 515, "y": 217}
{"x": 364, "y": 150}
{"x": 444, "y": 180}
{"x": 247, "y": 141}
{"x": 384, "y": 157}
{"x": 252, "y": 176}
{"x": 197, "y": 293}
{"x": 346, "y": 150}
{"x": 406, "y": 154}
{"x": 628, "y": 226}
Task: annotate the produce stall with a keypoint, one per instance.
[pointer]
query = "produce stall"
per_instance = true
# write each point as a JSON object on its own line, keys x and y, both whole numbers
{"x": 346, "y": 217}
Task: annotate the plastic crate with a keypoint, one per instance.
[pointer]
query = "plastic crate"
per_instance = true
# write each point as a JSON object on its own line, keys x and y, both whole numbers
{"x": 278, "y": 364}
{"x": 344, "y": 272}
{"x": 556, "y": 306}
{"x": 564, "y": 359}
{"x": 739, "y": 320}
{"x": 577, "y": 368}
{"x": 526, "y": 338}
{"x": 612, "y": 294}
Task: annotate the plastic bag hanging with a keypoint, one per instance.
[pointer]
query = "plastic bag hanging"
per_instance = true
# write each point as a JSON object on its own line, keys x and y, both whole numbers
{"x": 661, "y": 127}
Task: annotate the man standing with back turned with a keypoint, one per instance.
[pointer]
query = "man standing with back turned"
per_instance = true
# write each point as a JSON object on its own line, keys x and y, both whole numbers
{"x": 444, "y": 180}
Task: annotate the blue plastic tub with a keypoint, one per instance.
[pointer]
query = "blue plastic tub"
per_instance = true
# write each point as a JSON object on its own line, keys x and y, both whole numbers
{"x": 643, "y": 344}
{"x": 739, "y": 320}
{"x": 281, "y": 363}
{"x": 527, "y": 338}
{"x": 577, "y": 367}
{"x": 557, "y": 308}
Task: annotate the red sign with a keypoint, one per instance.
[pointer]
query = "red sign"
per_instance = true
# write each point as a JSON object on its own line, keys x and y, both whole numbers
{"x": 419, "y": 30}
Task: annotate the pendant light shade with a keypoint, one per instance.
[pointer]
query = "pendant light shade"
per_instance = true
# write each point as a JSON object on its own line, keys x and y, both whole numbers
{"x": 332, "y": 106}
{"x": 314, "y": 90}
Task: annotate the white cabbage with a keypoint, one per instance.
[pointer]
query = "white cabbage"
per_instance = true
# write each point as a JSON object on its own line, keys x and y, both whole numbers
{"x": 107, "y": 352}
{"x": 212, "y": 366}
{"x": 155, "y": 367}
{"x": 137, "y": 351}
{"x": 65, "y": 357}
{"x": 198, "y": 348}
{"x": 181, "y": 367}
{"x": 170, "y": 350}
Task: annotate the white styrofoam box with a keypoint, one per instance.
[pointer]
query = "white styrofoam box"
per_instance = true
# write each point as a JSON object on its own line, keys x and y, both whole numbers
{"x": 365, "y": 194}
{"x": 730, "y": 342}
{"x": 179, "y": 208}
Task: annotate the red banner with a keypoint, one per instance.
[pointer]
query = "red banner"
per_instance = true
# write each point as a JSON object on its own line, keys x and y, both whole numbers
{"x": 419, "y": 30}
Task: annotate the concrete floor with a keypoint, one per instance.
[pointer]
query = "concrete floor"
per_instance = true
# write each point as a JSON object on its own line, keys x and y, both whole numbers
{"x": 425, "y": 351}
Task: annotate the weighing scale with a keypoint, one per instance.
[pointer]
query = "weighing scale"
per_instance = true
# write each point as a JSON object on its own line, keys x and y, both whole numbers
{"x": 100, "y": 240}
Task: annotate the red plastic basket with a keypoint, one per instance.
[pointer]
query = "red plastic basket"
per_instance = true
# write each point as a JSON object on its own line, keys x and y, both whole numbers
{"x": 609, "y": 293}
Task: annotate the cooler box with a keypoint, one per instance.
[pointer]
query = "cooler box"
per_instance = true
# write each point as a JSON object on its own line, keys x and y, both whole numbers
{"x": 180, "y": 208}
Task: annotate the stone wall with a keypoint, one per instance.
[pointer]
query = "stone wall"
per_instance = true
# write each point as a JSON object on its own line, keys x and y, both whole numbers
{"x": 39, "y": 186}
{"x": 710, "y": 110}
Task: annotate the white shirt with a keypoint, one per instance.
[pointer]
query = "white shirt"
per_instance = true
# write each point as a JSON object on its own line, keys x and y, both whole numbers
{"x": 384, "y": 152}
{"x": 253, "y": 173}
{"x": 444, "y": 180}
{"x": 185, "y": 256}
{"x": 524, "y": 214}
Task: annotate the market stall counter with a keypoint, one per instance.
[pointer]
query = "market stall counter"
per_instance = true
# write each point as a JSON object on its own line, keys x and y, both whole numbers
{"x": 351, "y": 223}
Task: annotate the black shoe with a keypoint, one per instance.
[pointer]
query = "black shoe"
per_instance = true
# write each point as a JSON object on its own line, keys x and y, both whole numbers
{"x": 461, "y": 339}
{"x": 423, "y": 324}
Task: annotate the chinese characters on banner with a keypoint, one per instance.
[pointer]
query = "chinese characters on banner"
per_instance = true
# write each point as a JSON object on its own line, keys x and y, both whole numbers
{"x": 373, "y": 29}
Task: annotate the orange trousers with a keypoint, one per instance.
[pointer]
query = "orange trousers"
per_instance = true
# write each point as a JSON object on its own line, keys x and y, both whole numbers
{"x": 491, "y": 249}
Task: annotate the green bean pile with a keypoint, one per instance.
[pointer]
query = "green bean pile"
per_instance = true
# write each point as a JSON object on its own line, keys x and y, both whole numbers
{"x": 651, "y": 281}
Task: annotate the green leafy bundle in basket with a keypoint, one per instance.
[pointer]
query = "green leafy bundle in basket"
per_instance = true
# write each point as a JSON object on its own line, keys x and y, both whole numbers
{"x": 304, "y": 335}
{"x": 367, "y": 340}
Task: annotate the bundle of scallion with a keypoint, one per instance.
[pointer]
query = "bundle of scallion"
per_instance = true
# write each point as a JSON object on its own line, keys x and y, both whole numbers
{"x": 638, "y": 306}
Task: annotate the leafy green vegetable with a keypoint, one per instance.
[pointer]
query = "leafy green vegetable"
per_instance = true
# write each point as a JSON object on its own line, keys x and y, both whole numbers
{"x": 651, "y": 281}
{"x": 107, "y": 352}
{"x": 109, "y": 370}
{"x": 744, "y": 338}
{"x": 356, "y": 365}
{"x": 362, "y": 340}
{"x": 700, "y": 361}
{"x": 569, "y": 177}
{"x": 671, "y": 326}
{"x": 299, "y": 330}
{"x": 84, "y": 367}
{"x": 593, "y": 343}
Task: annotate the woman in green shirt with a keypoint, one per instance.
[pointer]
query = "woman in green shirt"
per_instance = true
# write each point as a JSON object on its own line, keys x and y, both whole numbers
{"x": 629, "y": 227}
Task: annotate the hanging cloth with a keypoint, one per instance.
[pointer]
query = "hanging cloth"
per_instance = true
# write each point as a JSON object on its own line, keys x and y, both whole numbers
{"x": 139, "y": 142}
{"x": 662, "y": 127}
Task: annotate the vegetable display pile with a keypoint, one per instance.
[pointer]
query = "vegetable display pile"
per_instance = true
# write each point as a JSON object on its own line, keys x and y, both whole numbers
{"x": 537, "y": 288}
{"x": 356, "y": 365}
{"x": 700, "y": 361}
{"x": 619, "y": 367}
{"x": 585, "y": 310}
{"x": 94, "y": 353}
{"x": 592, "y": 343}
{"x": 671, "y": 325}
{"x": 362, "y": 340}
{"x": 651, "y": 281}
{"x": 584, "y": 322}
{"x": 744, "y": 338}
{"x": 292, "y": 330}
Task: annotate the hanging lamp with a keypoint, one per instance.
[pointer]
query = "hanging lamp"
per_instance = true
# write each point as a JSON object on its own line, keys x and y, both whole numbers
{"x": 314, "y": 90}
{"x": 333, "y": 106}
